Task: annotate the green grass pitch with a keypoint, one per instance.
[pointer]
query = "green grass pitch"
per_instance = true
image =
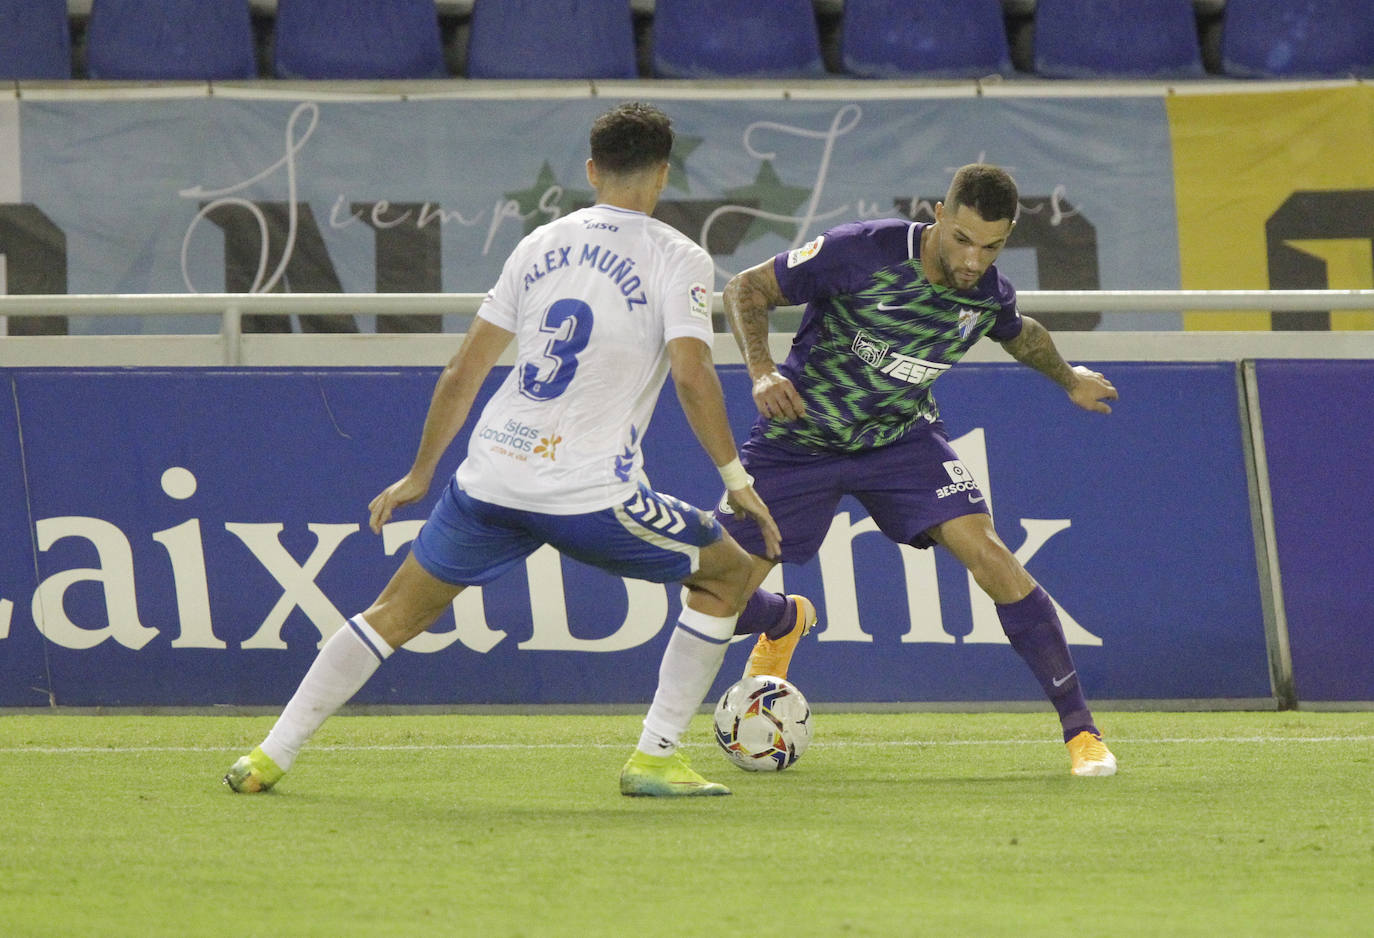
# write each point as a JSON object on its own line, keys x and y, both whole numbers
{"x": 893, "y": 824}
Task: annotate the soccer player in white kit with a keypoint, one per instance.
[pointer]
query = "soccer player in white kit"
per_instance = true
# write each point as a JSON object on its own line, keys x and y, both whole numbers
{"x": 602, "y": 303}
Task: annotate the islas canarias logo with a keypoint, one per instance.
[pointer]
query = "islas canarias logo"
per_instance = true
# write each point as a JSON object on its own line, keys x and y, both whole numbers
{"x": 548, "y": 447}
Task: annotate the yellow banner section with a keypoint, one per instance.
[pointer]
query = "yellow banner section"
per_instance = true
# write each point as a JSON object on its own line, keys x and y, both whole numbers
{"x": 1275, "y": 190}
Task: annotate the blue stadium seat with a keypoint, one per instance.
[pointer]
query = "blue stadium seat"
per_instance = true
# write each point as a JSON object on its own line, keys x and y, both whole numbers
{"x": 925, "y": 39}
{"x": 168, "y": 40}
{"x": 551, "y": 39}
{"x": 341, "y": 39}
{"x": 1298, "y": 38}
{"x": 35, "y": 41}
{"x": 1117, "y": 39}
{"x": 736, "y": 39}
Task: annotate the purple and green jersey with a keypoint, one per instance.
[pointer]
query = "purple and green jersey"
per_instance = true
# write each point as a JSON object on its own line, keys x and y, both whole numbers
{"x": 876, "y": 334}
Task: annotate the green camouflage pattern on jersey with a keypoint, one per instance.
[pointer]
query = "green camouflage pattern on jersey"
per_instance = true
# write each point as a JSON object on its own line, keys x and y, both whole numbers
{"x": 867, "y": 378}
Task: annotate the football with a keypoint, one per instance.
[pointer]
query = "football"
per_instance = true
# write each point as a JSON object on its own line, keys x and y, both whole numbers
{"x": 763, "y": 724}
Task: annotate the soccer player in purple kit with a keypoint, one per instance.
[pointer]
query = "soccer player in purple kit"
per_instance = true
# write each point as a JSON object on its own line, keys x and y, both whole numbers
{"x": 890, "y": 306}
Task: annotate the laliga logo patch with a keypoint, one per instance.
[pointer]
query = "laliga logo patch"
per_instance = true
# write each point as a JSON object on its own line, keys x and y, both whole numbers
{"x": 700, "y": 299}
{"x": 804, "y": 253}
{"x": 870, "y": 349}
{"x": 958, "y": 472}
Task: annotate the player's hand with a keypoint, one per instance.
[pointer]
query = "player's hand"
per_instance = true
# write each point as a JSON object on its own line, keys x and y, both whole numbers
{"x": 402, "y": 492}
{"x": 746, "y": 502}
{"x": 1091, "y": 390}
{"x": 775, "y": 397}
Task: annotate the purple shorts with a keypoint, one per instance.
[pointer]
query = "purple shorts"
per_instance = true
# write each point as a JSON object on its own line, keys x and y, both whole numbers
{"x": 907, "y": 488}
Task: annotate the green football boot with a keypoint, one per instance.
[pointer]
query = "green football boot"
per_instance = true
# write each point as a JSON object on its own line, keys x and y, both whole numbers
{"x": 254, "y": 772}
{"x": 664, "y": 777}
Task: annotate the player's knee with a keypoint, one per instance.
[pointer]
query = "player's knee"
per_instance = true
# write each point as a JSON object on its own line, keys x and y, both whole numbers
{"x": 998, "y": 572}
{"x": 724, "y": 572}
{"x": 402, "y": 615}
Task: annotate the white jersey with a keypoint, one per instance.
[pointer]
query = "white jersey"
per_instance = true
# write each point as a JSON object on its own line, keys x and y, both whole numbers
{"x": 593, "y": 299}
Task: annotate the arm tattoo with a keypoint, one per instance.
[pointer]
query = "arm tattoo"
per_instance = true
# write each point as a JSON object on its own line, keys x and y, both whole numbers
{"x": 749, "y": 297}
{"x": 1035, "y": 348}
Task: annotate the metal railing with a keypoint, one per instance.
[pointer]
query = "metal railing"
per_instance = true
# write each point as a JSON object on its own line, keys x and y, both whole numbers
{"x": 230, "y": 308}
{"x": 231, "y": 305}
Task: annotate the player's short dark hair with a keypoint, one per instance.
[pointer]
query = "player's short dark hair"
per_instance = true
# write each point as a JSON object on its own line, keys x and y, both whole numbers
{"x": 630, "y": 137}
{"x": 988, "y": 190}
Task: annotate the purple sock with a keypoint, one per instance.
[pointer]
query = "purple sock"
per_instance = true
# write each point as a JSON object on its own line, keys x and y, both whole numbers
{"x": 1033, "y": 628}
{"x": 765, "y": 612}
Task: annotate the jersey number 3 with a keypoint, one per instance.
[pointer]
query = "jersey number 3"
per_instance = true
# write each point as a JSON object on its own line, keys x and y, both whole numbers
{"x": 568, "y": 323}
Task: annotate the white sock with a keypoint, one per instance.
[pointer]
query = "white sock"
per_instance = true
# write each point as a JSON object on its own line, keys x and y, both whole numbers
{"x": 695, "y": 651}
{"x": 342, "y": 667}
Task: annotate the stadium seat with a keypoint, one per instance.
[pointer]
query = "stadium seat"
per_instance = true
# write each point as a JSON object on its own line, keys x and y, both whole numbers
{"x": 736, "y": 39}
{"x": 168, "y": 40}
{"x": 551, "y": 39}
{"x": 1284, "y": 39}
{"x": 1089, "y": 39}
{"x": 342, "y": 39}
{"x": 926, "y": 39}
{"x": 35, "y": 40}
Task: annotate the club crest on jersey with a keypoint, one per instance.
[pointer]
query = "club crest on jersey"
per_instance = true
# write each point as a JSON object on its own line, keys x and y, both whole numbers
{"x": 968, "y": 318}
{"x": 700, "y": 298}
{"x": 804, "y": 253}
{"x": 869, "y": 348}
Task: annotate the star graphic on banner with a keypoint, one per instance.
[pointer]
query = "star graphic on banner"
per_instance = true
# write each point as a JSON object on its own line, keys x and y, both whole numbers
{"x": 677, "y": 161}
{"x": 772, "y": 196}
{"x": 538, "y": 201}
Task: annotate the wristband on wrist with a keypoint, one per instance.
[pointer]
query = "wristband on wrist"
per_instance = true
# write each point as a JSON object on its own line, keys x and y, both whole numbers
{"x": 734, "y": 476}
